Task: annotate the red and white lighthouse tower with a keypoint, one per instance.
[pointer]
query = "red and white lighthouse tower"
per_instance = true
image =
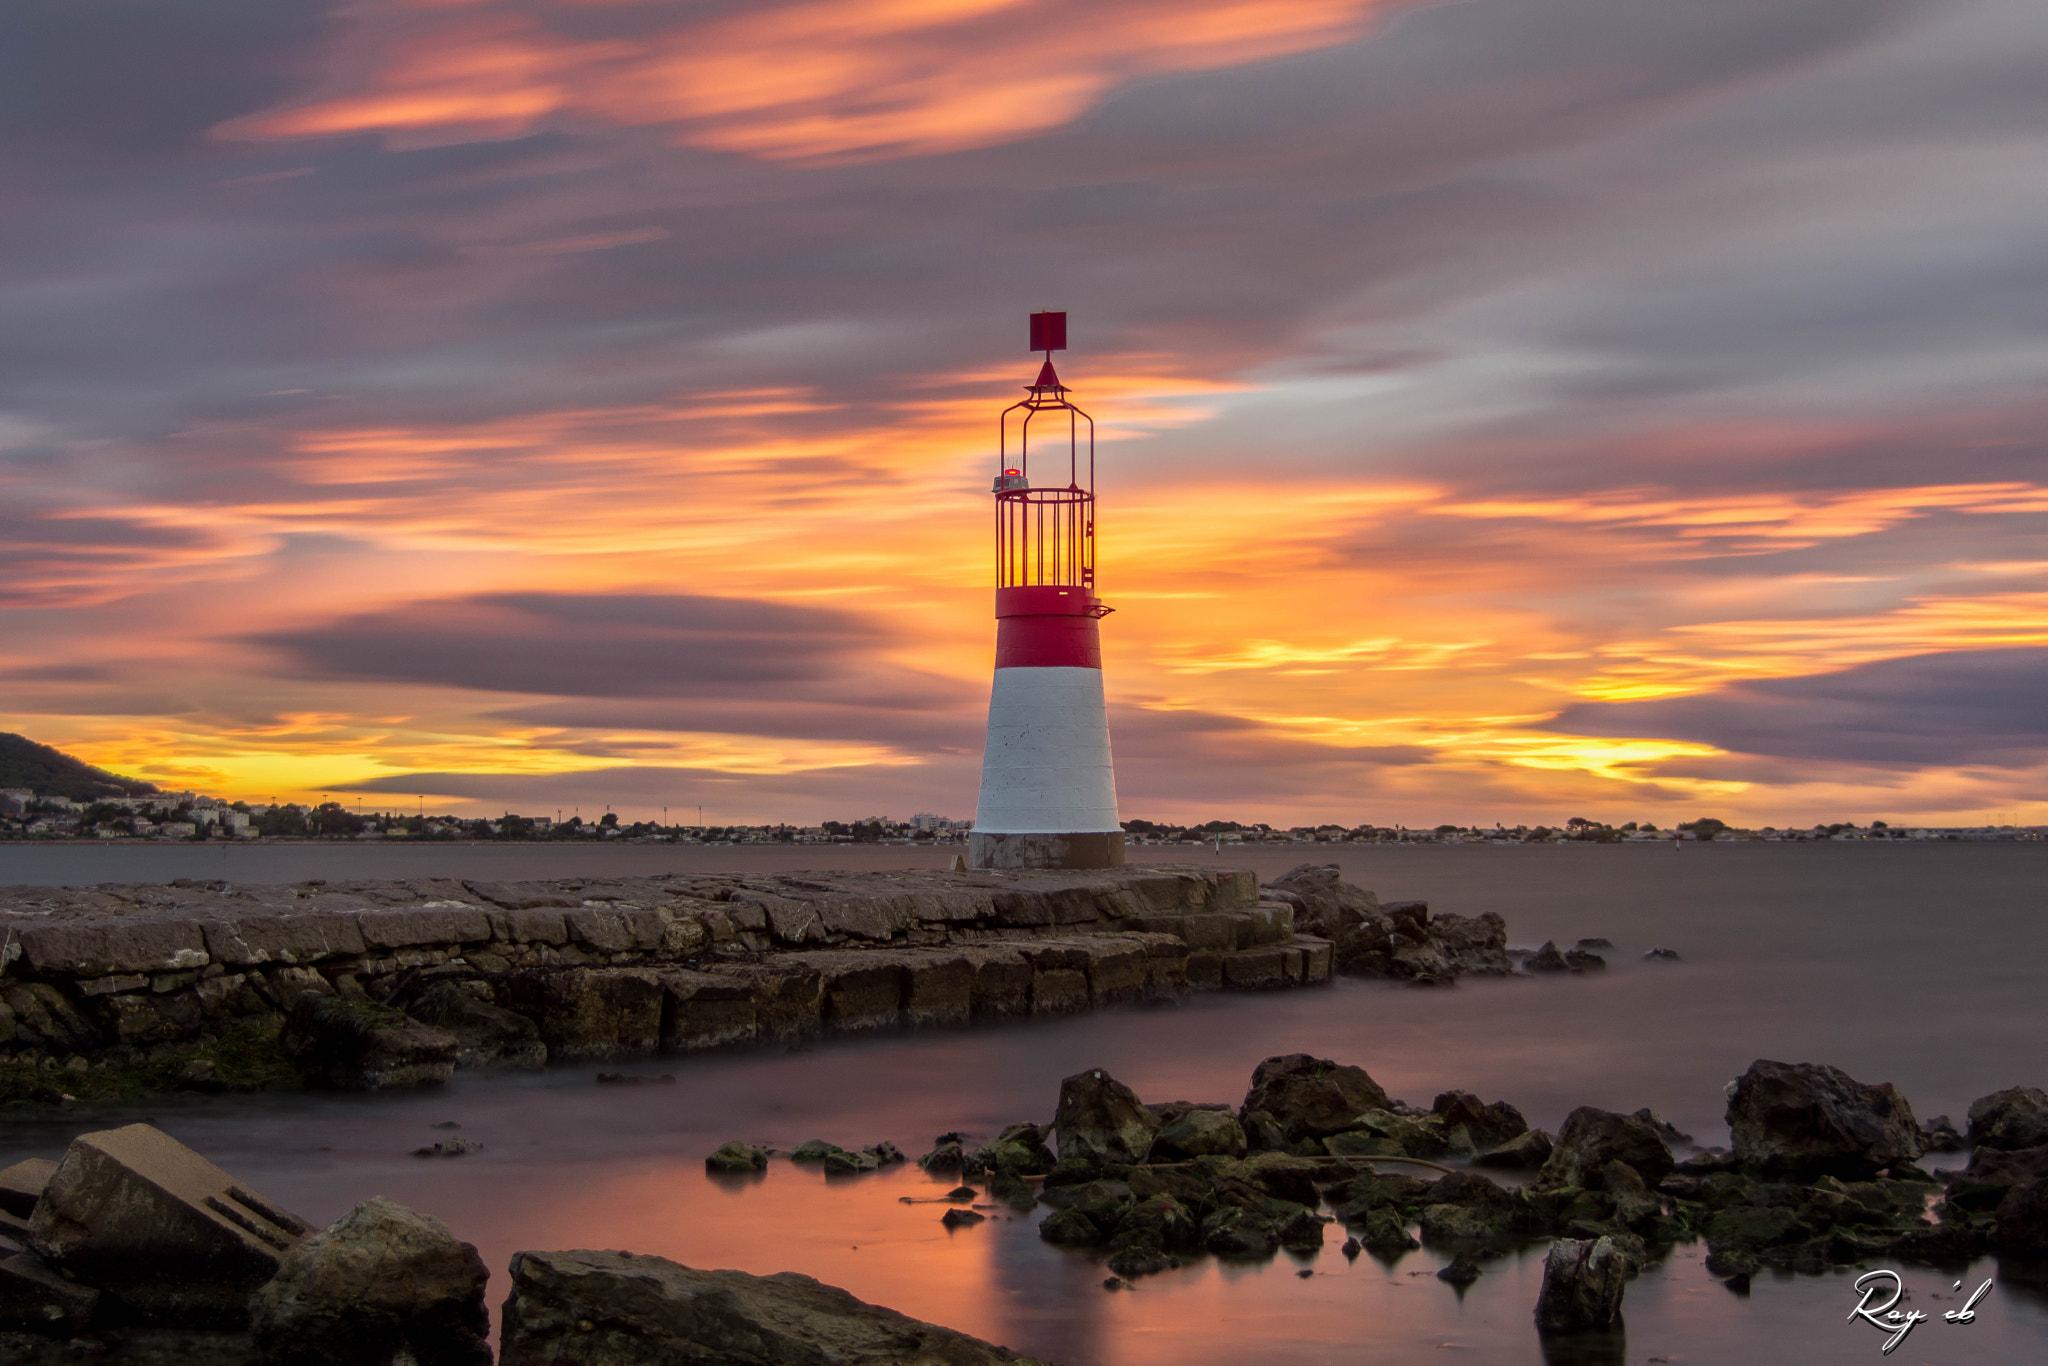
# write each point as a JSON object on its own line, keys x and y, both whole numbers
{"x": 1048, "y": 793}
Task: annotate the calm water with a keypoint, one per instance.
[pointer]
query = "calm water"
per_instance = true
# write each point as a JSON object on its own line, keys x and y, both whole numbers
{"x": 1914, "y": 964}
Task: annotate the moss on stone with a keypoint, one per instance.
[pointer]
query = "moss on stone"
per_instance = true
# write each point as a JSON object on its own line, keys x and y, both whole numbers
{"x": 242, "y": 1057}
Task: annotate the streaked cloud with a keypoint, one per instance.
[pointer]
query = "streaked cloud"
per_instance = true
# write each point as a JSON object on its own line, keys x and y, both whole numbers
{"x": 812, "y": 80}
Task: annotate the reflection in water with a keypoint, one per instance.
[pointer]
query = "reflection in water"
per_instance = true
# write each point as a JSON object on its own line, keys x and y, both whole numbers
{"x": 1593, "y": 1347}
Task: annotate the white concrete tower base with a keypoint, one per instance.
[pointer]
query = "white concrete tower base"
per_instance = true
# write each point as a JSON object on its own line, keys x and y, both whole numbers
{"x": 1048, "y": 791}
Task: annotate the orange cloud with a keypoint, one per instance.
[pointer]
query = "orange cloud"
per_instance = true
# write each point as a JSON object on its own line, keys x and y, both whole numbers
{"x": 790, "y": 81}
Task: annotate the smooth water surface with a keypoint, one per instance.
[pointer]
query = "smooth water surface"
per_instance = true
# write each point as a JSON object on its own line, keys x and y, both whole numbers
{"x": 1914, "y": 964}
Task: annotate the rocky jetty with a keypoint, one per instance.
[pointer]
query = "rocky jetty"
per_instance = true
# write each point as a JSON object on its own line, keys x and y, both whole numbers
{"x": 114, "y": 989}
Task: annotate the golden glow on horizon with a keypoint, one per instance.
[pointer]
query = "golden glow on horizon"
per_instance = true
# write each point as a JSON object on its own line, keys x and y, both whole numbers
{"x": 1317, "y": 615}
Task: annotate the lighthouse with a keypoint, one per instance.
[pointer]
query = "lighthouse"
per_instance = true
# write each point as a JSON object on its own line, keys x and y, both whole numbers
{"x": 1048, "y": 792}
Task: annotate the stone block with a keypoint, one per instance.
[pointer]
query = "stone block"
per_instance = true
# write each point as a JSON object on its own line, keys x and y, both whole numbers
{"x": 528, "y": 925}
{"x": 938, "y": 990}
{"x": 1116, "y": 971}
{"x": 135, "y": 1212}
{"x": 35, "y": 1297}
{"x": 1059, "y": 990}
{"x": 426, "y": 925}
{"x": 1255, "y": 969}
{"x": 523, "y": 896}
{"x": 1016, "y": 908}
{"x": 1159, "y": 892}
{"x": 1205, "y": 970}
{"x": 788, "y": 995}
{"x": 748, "y": 916}
{"x": 591, "y": 1013}
{"x": 863, "y": 991}
{"x": 706, "y": 1010}
{"x": 1074, "y": 906}
{"x": 99, "y": 948}
{"x": 615, "y": 929}
{"x": 865, "y": 917}
{"x": 244, "y": 941}
{"x": 21, "y": 1185}
{"x": 789, "y": 920}
{"x": 1213, "y": 933}
{"x": 1317, "y": 956}
{"x": 1002, "y": 982}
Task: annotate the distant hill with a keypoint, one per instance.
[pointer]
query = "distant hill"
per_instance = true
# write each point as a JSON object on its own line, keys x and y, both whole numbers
{"x": 53, "y": 773}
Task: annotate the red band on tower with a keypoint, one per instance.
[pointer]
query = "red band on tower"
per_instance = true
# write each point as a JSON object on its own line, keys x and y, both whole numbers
{"x": 1060, "y": 642}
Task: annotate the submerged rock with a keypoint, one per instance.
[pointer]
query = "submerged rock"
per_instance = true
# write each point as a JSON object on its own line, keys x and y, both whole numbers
{"x": 1808, "y": 1118}
{"x": 736, "y": 1158}
{"x": 1582, "y": 1285}
{"x": 380, "y": 1286}
{"x": 1102, "y": 1120}
{"x": 617, "y": 1309}
{"x": 136, "y": 1212}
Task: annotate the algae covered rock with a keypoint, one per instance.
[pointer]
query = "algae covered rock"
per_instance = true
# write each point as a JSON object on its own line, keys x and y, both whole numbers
{"x": 378, "y": 1286}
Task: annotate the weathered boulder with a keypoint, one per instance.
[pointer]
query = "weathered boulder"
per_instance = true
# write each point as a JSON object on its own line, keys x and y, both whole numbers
{"x": 1198, "y": 1133}
{"x": 2007, "y": 1167}
{"x": 1547, "y": 959}
{"x": 1582, "y": 1285}
{"x": 1384, "y": 1235}
{"x": 380, "y": 1286}
{"x": 736, "y": 1159}
{"x": 2022, "y": 1221}
{"x": 1306, "y": 1097}
{"x": 138, "y": 1213}
{"x": 355, "y": 1045}
{"x": 1592, "y": 1138}
{"x": 1524, "y": 1152}
{"x": 2016, "y": 1117}
{"x": 485, "y": 1033}
{"x": 34, "y": 1296}
{"x": 1100, "y": 1120}
{"x": 1808, "y": 1118}
{"x": 1489, "y": 1125}
{"x": 21, "y": 1185}
{"x": 617, "y": 1309}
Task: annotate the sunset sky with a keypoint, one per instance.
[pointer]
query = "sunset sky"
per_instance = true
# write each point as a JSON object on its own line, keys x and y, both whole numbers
{"x": 1510, "y": 409}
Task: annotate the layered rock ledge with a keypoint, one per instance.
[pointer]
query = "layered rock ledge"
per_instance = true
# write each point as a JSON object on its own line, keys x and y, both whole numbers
{"x": 419, "y": 976}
